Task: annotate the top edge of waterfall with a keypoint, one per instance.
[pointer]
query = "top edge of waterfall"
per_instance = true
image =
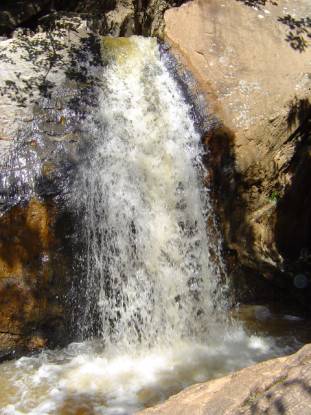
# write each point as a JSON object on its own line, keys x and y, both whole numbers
{"x": 117, "y": 49}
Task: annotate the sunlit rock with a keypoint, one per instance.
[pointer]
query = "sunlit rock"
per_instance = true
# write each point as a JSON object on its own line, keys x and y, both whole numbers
{"x": 280, "y": 386}
{"x": 252, "y": 59}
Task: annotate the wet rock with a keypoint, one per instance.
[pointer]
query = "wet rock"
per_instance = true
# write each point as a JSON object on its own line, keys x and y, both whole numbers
{"x": 252, "y": 59}
{"x": 278, "y": 386}
{"x": 36, "y": 342}
{"x": 50, "y": 73}
{"x": 47, "y": 82}
{"x": 34, "y": 272}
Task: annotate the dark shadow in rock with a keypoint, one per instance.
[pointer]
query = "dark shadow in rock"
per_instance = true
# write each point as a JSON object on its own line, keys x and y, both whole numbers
{"x": 281, "y": 396}
{"x": 34, "y": 14}
{"x": 226, "y": 190}
{"x": 300, "y": 382}
{"x": 293, "y": 228}
{"x": 299, "y": 36}
{"x": 252, "y": 278}
{"x": 258, "y": 3}
{"x": 293, "y": 223}
{"x": 31, "y": 14}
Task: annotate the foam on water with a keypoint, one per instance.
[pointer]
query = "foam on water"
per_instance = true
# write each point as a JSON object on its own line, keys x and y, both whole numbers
{"x": 86, "y": 377}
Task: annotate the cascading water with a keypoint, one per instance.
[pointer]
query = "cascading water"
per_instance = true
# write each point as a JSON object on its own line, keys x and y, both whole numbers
{"x": 149, "y": 269}
{"x": 152, "y": 315}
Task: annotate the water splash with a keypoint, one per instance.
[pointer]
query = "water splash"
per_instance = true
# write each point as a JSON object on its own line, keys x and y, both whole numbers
{"x": 84, "y": 378}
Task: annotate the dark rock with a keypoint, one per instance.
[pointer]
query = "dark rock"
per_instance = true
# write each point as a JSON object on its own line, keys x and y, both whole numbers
{"x": 125, "y": 17}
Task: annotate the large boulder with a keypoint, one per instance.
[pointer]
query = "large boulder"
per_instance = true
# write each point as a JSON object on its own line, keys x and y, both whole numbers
{"x": 253, "y": 61}
{"x": 278, "y": 386}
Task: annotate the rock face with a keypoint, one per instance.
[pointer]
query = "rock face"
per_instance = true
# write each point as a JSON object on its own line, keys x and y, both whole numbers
{"x": 253, "y": 60}
{"x": 47, "y": 85}
{"x": 279, "y": 386}
{"x": 116, "y": 17}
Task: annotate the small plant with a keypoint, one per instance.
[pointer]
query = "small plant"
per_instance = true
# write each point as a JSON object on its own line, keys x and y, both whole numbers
{"x": 274, "y": 196}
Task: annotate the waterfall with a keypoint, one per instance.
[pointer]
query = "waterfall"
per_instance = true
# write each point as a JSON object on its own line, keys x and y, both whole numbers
{"x": 153, "y": 266}
{"x": 152, "y": 311}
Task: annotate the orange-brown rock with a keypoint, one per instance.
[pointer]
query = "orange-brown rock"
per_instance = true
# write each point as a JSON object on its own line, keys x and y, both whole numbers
{"x": 253, "y": 61}
{"x": 25, "y": 238}
{"x": 32, "y": 274}
{"x": 36, "y": 343}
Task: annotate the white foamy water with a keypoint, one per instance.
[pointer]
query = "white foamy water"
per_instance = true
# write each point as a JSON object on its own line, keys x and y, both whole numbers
{"x": 153, "y": 304}
{"x": 84, "y": 378}
{"x": 150, "y": 274}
